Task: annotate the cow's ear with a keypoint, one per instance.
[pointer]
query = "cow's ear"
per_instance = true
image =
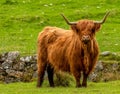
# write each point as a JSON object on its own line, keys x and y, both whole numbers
{"x": 74, "y": 28}
{"x": 97, "y": 26}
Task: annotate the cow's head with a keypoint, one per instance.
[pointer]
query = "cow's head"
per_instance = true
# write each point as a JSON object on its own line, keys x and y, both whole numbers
{"x": 86, "y": 29}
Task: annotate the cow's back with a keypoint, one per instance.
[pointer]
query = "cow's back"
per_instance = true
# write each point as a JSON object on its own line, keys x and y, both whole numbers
{"x": 53, "y": 43}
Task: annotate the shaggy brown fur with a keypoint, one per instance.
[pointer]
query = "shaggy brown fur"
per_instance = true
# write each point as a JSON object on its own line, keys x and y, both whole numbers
{"x": 74, "y": 51}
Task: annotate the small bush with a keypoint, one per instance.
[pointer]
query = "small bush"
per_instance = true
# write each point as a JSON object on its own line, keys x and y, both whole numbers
{"x": 63, "y": 79}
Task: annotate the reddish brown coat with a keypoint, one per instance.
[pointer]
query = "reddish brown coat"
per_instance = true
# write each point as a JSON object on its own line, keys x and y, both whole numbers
{"x": 74, "y": 51}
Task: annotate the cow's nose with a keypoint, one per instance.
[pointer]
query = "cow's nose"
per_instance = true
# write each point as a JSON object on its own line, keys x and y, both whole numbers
{"x": 85, "y": 39}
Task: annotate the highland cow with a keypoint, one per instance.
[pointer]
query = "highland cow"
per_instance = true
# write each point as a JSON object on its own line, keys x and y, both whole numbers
{"x": 75, "y": 50}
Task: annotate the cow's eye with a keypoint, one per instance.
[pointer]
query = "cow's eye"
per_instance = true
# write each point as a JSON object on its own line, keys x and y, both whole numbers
{"x": 93, "y": 29}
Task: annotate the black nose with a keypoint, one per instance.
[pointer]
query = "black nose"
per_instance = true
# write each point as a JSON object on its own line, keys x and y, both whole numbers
{"x": 85, "y": 39}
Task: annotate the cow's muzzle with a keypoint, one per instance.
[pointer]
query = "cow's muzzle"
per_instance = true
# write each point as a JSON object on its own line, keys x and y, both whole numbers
{"x": 85, "y": 39}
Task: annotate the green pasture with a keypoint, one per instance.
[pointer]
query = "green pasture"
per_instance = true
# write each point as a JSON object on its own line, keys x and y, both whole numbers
{"x": 29, "y": 88}
{"x": 22, "y": 20}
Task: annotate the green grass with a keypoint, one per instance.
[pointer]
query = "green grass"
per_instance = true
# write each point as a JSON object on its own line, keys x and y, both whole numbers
{"x": 22, "y": 20}
{"x": 29, "y": 88}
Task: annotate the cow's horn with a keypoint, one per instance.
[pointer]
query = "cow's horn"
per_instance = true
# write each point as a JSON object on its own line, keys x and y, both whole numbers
{"x": 104, "y": 18}
{"x": 67, "y": 21}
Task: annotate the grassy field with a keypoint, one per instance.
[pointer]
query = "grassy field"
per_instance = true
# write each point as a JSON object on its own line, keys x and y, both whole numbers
{"x": 22, "y": 20}
{"x": 29, "y": 88}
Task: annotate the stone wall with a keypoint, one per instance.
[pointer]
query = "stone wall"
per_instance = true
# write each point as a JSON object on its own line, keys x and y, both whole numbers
{"x": 107, "y": 68}
{"x": 105, "y": 71}
{"x": 14, "y": 68}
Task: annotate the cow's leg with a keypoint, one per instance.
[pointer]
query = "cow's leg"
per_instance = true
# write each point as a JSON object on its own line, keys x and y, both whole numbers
{"x": 77, "y": 75}
{"x": 41, "y": 72}
{"x": 77, "y": 78}
{"x": 85, "y": 76}
{"x": 50, "y": 71}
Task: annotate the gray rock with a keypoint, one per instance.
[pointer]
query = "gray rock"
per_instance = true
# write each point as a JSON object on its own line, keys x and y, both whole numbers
{"x": 26, "y": 59}
{"x": 3, "y": 57}
{"x": 15, "y": 67}
{"x": 2, "y": 72}
{"x": 22, "y": 59}
{"x": 99, "y": 66}
{"x": 34, "y": 74}
{"x": 14, "y": 73}
{"x": 13, "y": 55}
{"x": 9, "y": 79}
{"x": 6, "y": 65}
{"x": 1, "y": 78}
{"x": 34, "y": 66}
{"x": 106, "y": 53}
{"x": 115, "y": 66}
{"x": 93, "y": 76}
{"x": 35, "y": 57}
{"x": 21, "y": 66}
